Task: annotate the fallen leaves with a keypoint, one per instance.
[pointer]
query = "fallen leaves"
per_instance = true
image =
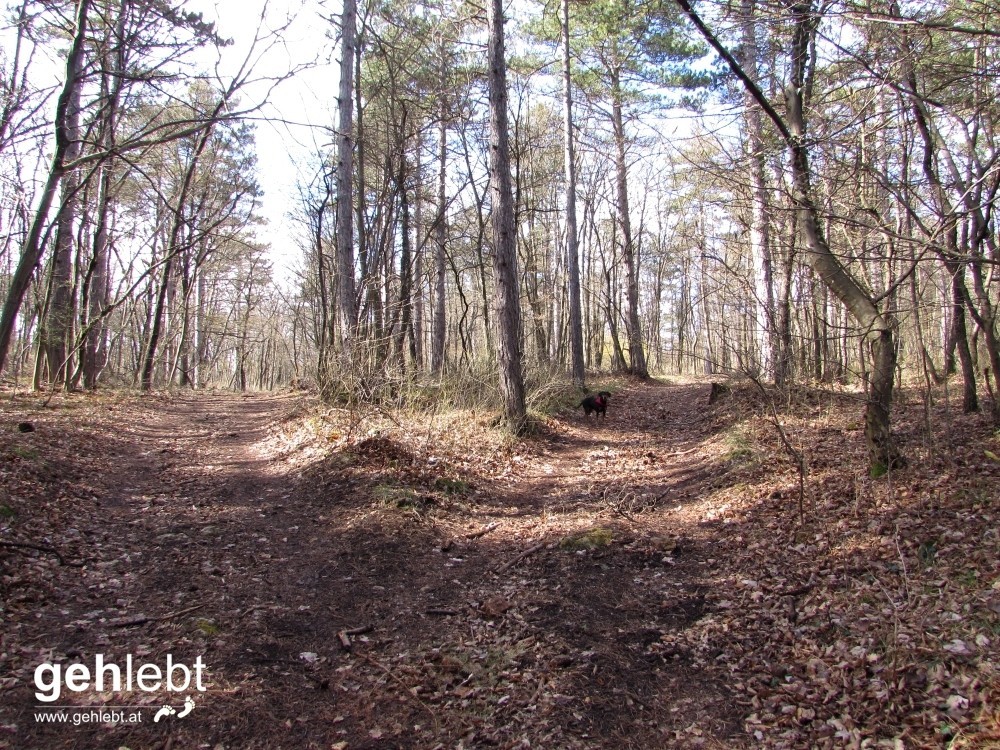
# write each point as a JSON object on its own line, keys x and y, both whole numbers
{"x": 687, "y": 608}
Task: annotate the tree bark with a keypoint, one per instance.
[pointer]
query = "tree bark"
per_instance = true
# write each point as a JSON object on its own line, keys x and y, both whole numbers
{"x": 637, "y": 357}
{"x": 766, "y": 333}
{"x": 440, "y": 240}
{"x": 95, "y": 345}
{"x": 577, "y": 367}
{"x": 405, "y": 267}
{"x": 345, "y": 181}
{"x": 417, "y": 342}
{"x": 508, "y": 308}
{"x": 57, "y": 330}
{"x": 32, "y": 249}
{"x": 156, "y": 327}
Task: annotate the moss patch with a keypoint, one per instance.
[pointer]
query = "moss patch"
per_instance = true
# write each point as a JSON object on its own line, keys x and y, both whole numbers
{"x": 451, "y": 486}
{"x": 395, "y": 496}
{"x": 584, "y": 540}
{"x": 208, "y": 627}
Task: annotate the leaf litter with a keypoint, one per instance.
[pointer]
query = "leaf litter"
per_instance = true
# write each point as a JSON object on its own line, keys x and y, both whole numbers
{"x": 360, "y": 580}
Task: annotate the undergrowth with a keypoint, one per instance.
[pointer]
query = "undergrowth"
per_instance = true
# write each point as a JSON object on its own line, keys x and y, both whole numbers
{"x": 474, "y": 388}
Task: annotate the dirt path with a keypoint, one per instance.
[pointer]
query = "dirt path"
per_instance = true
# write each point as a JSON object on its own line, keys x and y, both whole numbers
{"x": 205, "y": 539}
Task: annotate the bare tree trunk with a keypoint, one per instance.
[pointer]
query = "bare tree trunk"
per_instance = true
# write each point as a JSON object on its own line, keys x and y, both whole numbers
{"x": 683, "y": 310}
{"x": 405, "y": 267}
{"x": 479, "y": 242}
{"x": 201, "y": 333}
{"x": 783, "y": 369}
{"x": 98, "y": 283}
{"x": 182, "y": 359}
{"x": 58, "y": 327}
{"x": 637, "y": 357}
{"x": 440, "y": 238}
{"x": 766, "y": 333}
{"x": 94, "y": 353}
{"x": 32, "y": 249}
{"x": 325, "y": 334}
{"x": 577, "y": 367}
{"x": 156, "y": 326}
{"x": 171, "y": 250}
{"x": 611, "y": 313}
{"x": 877, "y": 328}
{"x": 96, "y": 343}
{"x": 417, "y": 342}
{"x": 710, "y": 357}
{"x": 949, "y": 254}
{"x": 368, "y": 252}
{"x": 960, "y": 334}
{"x": 345, "y": 180}
{"x": 508, "y": 308}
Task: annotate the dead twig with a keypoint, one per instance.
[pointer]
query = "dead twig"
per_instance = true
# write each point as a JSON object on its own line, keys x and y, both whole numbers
{"x": 446, "y": 546}
{"x": 143, "y": 619}
{"x": 617, "y": 509}
{"x": 527, "y": 553}
{"x": 41, "y": 548}
{"x": 344, "y": 636}
{"x": 483, "y": 531}
{"x": 682, "y": 453}
{"x": 621, "y": 500}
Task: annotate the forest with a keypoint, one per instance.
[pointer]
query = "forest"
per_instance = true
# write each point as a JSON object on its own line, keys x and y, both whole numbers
{"x": 348, "y": 446}
{"x": 799, "y": 194}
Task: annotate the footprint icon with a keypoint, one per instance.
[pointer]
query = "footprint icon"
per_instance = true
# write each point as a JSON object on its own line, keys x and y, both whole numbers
{"x": 188, "y": 707}
{"x": 165, "y": 711}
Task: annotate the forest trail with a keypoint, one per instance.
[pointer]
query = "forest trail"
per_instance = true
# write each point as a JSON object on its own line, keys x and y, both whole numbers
{"x": 210, "y": 541}
{"x": 355, "y": 587}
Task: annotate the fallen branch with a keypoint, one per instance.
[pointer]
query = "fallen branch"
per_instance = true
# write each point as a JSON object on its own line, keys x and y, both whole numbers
{"x": 143, "y": 619}
{"x": 617, "y": 509}
{"x": 344, "y": 636}
{"x": 618, "y": 498}
{"x": 442, "y": 612}
{"x": 527, "y": 553}
{"x": 682, "y": 453}
{"x": 483, "y": 531}
{"x": 41, "y": 548}
{"x": 472, "y": 535}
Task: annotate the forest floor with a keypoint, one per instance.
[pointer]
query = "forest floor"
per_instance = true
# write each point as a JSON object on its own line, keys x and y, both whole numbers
{"x": 375, "y": 580}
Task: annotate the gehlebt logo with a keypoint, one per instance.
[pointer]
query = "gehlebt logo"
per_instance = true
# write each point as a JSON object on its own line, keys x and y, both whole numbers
{"x": 51, "y": 680}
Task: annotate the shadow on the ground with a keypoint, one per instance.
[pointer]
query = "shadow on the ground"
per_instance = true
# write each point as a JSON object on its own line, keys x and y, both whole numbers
{"x": 260, "y": 572}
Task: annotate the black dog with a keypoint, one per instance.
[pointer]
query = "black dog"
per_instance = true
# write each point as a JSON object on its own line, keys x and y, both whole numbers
{"x": 598, "y": 404}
